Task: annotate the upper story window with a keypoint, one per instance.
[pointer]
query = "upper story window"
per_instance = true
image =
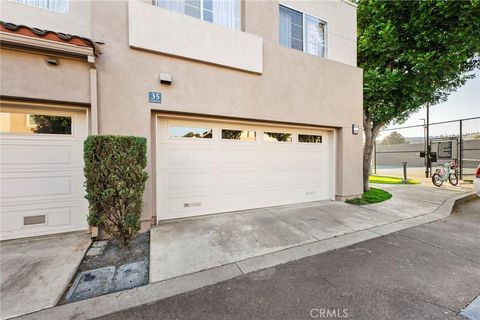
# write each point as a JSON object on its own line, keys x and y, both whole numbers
{"x": 54, "y": 5}
{"x": 223, "y": 12}
{"x": 302, "y": 32}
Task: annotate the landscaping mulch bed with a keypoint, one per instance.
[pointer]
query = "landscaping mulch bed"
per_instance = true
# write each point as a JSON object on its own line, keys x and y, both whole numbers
{"x": 115, "y": 255}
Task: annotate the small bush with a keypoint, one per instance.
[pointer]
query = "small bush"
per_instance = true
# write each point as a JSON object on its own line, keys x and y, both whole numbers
{"x": 115, "y": 182}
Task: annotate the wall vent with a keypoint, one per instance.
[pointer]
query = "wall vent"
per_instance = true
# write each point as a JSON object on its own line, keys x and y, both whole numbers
{"x": 192, "y": 204}
{"x": 33, "y": 220}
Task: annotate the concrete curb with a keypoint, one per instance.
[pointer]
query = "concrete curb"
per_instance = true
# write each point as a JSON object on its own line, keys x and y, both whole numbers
{"x": 120, "y": 301}
{"x": 447, "y": 207}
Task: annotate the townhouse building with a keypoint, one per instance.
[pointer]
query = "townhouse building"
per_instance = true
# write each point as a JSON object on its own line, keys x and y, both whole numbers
{"x": 244, "y": 103}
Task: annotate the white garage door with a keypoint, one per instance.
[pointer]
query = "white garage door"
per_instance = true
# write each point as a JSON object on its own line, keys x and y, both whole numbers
{"x": 42, "y": 171}
{"x": 211, "y": 167}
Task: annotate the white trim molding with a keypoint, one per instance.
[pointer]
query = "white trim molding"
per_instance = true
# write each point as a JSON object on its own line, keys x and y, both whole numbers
{"x": 26, "y": 41}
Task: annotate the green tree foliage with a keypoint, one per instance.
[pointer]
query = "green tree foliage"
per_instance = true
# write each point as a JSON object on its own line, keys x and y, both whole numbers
{"x": 394, "y": 138}
{"x": 279, "y": 136}
{"x": 52, "y": 124}
{"x": 231, "y": 134}
{"x": 413, "y": 53}
{"x": 115, "y": 182}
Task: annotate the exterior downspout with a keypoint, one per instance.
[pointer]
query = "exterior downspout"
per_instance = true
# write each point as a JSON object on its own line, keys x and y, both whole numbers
{"x": 93, "y": 96}
{"x": 93, "y": 114}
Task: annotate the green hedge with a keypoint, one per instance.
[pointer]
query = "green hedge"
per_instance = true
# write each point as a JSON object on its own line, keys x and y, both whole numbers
{"x": 115, "y": 182}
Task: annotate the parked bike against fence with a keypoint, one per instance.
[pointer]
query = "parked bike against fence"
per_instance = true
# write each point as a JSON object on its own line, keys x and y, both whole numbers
{"x": 448, "y": 172}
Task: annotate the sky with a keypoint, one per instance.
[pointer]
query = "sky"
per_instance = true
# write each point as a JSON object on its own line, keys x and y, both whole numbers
{"x": 463, "y": 103}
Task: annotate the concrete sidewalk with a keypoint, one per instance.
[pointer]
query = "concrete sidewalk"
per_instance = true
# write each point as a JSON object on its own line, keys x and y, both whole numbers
{"x": 192, "y": 245}
{"x": 35, "y": 272}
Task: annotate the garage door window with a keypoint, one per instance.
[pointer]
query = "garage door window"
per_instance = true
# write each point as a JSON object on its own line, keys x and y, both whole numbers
{"x": 246, "y": 135}
{"x": 309, "y": 138}
{"x": 190, "y": 132}
{"x": 277, "y": 137}
{"x": 12, "y": 122}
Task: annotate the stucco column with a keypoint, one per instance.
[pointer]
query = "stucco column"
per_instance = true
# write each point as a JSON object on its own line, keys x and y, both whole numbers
{"x": 349, "y": 164}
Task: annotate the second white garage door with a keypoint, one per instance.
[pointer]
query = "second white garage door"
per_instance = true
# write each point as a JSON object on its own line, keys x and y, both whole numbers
{"x": 41, "y": 169}
{"x": 211, "y": 167}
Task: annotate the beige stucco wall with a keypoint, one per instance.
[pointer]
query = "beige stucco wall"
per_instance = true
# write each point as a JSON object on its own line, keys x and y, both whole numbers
{"x": 28, "y": 75}
{"x": 293, "y": 87}
{"x": 349, "y": 164}
{"x": 150, "y": 28}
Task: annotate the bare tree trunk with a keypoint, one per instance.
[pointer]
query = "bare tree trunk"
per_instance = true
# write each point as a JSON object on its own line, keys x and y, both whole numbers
{"x": 367, "y": 150}
{"x": 371, "y": 133}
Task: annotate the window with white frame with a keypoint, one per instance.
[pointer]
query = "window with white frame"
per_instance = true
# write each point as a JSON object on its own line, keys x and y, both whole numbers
{"x": 54, "y": 5}
{"x": 302, "y": 32}
{"x": 223, "y": 12}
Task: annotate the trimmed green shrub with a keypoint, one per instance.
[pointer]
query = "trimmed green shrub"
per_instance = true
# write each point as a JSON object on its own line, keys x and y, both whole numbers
{"x": 115, "y": 182}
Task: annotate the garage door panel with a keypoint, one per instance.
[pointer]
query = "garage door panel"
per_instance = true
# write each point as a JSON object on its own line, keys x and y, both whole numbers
{"x": 209, "y": 204}
{"x": 291, "y": 195}
{"x": 59, "y": 217}
{"x": 311, "y": 193}
{"x": 193, "y": 180}
{"x": 42, "y": 155}
{"x": 275, "y": 176}
{"x": 236, "y": 201}
{"x": 277, "y": 196}
{"x": 195, "y": 177}
{"x": 20, "y": 187}
{"x": 313, "y": 176}
{"x": 41, "y": 186}
{"x": 32, "y": 154}
{"x": 311, "y": 156}
{"x": 240, "y": 156}
{"x": 188, "y": 156}
{"x": 42, "y": 178}
{"x": 189, "y": 205}
{"x": 237, "y": 179}
{"x": 274, "y": 156}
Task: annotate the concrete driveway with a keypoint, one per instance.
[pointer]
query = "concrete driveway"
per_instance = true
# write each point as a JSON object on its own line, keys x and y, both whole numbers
{"x": 35, "y": 272}
{"x": 188, "y": 246}
{"x": 426, "y": 272}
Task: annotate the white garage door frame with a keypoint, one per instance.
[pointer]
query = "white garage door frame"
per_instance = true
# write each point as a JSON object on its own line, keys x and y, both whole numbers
{"x": 162, "y": 122}
{"x": 42, "y": 175}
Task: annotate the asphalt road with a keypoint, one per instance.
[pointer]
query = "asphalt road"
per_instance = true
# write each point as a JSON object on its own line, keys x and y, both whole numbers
{"x": 427, "y": 272}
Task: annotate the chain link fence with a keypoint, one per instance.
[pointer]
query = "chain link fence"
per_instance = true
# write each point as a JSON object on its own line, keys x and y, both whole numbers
{"x": 457, "y": 140}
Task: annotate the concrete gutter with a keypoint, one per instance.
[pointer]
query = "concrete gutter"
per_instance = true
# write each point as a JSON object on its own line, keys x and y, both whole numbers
{"x": 124, "y": 300}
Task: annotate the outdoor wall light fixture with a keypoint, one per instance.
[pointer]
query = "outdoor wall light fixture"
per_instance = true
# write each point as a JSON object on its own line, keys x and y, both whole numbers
{"x": 52, "y": 61}
{"x": 166, "y": 78}
{"x": 354, "y": 128}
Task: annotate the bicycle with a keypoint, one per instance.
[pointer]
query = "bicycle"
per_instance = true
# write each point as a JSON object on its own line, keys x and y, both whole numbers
{"x": 448, "y": 172}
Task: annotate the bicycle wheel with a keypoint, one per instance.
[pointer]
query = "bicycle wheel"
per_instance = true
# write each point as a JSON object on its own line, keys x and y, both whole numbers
{"x": 437, "y": 180}
{"x": 453, "y": 179}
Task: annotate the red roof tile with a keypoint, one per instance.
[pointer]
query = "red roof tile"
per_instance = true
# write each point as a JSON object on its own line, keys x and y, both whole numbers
{"x": 50, "y": 35}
